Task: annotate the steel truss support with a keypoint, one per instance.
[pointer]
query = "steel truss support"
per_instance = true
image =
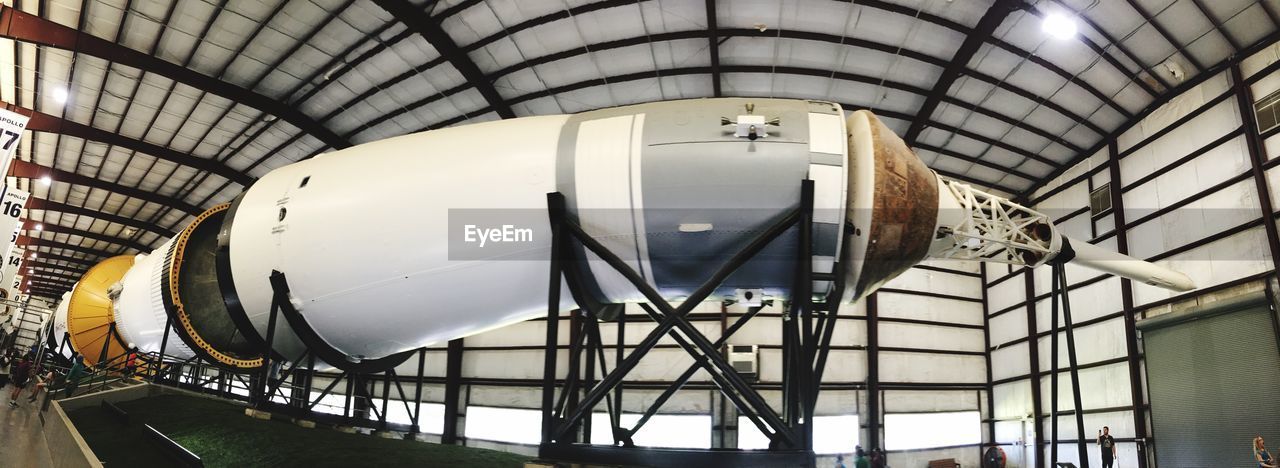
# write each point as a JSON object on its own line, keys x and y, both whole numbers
{"x": 362, "y": 406}
{"x": 1061, "y": 293}
{"x": 806, "y": 327}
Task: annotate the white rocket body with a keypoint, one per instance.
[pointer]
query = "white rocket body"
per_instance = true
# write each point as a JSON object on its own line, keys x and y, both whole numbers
{"x": 366, "y": 243}
{"x": 139, "y": 311}
{"x": 381, "y": 243}
{"x": 59, "y": 330}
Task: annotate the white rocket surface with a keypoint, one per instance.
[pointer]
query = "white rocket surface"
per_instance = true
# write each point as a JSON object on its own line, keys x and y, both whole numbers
{"x": 423, "y": 238}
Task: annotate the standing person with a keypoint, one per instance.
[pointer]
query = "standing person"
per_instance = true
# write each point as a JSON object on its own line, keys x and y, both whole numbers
{"x": 131, "y": 362}
{"x": 1107, "y": 444}
{"x": 21, "y": 373}
{"x": 878, "y": 458}
{"x": 860, "y": 458}
{"x": 1261, "y": 455}
{"x": 840, "y": 461}
{"x": 42, "y": 381}
{"x": 4, "y": 370}
{"x": 74, "y": 374}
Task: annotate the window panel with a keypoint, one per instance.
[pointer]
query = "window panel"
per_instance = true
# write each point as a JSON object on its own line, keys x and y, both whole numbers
{"x": 907, "y": 431}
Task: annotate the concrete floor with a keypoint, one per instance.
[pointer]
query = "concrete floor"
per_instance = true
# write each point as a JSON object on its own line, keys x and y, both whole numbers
{"x": 22, "y": 441}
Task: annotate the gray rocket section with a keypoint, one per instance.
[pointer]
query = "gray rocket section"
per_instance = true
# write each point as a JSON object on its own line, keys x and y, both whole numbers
{"x": 701, "y": 189}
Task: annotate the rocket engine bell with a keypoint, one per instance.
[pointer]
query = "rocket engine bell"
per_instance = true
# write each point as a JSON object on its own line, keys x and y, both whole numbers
{"x": 378, "y": 241}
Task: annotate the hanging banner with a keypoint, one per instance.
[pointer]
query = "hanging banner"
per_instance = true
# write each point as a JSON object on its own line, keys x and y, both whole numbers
{"x": 9, "y": 278}
{"x": 12, "y": 212}
{"x": 11, "y": 126}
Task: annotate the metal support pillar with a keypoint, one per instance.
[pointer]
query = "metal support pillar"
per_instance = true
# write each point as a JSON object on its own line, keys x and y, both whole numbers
{"x": 1136, "y": 393}
{"x": 158, "y": 366}
{"x": 417, "y": 391}
{"x": 986, "y": 336}
{"x": 452, "y": 391}
{"x": 1081, "y": 443}
{"x": 806, "y": 351}
{"x": 1033, "y": 348}
{"x": 1056, "y": 290}
{"x": 873, "y": 373}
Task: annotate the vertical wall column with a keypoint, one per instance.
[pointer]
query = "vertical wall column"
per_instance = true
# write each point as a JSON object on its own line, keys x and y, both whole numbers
{"x": 1033, "y": 349}
{"x": 986, "y": 337}
{"x": 1253, "y": 142}
{"x": 1136, "y": 394}
{"x": 873, "y": 373}
{"x": 454, "y": 420}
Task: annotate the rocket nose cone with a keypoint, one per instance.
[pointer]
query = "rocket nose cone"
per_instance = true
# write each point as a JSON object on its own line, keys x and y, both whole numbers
{"x": 1173, "y": 280}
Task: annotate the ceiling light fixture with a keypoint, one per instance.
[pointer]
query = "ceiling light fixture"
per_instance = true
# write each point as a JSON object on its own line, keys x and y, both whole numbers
{"x": 46, "y": 180}
{"x": 1059, "y": 26}
{"x": 39, "y": 227}
{"x": 60, "y": 94}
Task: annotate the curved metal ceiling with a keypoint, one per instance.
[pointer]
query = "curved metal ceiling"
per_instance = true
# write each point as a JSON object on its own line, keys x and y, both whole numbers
{"x": 173, "y": 106}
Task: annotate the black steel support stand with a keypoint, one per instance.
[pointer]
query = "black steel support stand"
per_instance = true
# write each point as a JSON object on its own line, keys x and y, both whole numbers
{"x": 1061, "y": 292}
{"x": 1056, "y": 290}
{"x": 452, "y": 391}
{"x": 807, "y": 329}
{"x": 266, "y": 381}
{"x": 106, "y": 343}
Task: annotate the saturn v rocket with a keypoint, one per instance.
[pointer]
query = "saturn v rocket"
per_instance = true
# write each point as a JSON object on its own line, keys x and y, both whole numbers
{"x": 396, "y": 244}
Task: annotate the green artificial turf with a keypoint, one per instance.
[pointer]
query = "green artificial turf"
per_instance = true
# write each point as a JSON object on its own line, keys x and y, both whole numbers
{"x": 223, "y": 436}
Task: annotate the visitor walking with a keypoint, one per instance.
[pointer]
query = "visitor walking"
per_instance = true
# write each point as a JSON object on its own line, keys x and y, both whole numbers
{"x": 74, "y": 375}
{"x": 20, "y": 375}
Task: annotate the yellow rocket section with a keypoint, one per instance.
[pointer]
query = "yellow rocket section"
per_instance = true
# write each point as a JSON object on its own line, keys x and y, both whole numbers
{"x": 89, "y": 316}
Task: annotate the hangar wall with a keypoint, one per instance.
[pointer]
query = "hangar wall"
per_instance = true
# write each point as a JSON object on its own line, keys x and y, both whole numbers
{"x": 1188, "y": 192}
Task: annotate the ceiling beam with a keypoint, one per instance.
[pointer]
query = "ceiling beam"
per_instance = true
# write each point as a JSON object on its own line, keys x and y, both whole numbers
{"x": 726, "y": 33}
{"x": 917, "y": 14}
{"x": 429, "y": 28}
{"x": 57, "y": 229}
{"x": 29, "y": 170}
{"x": 790, "y": 70}
{"x": 47, "y": 265}
{"x": 40, "y": 242}
{"x": 42, "y": 122}
{"x": 38, "y": 277}
{"x": 37, "y": 203}
{"x": 46, "y": 293}
{"x": 25, "y": 27}
{"x": 983, "y": 31}
{"x": 49, "y": 288}
{"x": 1026, "y": 153}
{"x": 72, "y": 276}
{"x": 49, "y": 272}
{"x": 876, "y": 4}
{"x": 1102, "y": 51}
{"x": 1235, "y": 46}
{"x": 87, "y": 262}
{"x": 1189, "y": 83}
{"x": 1177, "y": 47}
{"x": 713, "y": 46}
{"x": 1271, "y": 14}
